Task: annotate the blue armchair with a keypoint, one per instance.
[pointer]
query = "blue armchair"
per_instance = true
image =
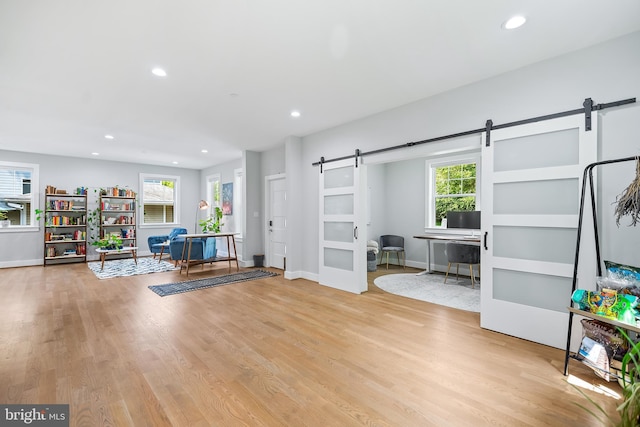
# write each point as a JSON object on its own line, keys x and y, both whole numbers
{"x": 201, "y": 249}
{"x": 156, "y": 241}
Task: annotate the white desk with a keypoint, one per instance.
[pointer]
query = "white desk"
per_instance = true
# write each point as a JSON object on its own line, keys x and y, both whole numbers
{"x": 448, "y": 237}
{"x": 186, "y": 250}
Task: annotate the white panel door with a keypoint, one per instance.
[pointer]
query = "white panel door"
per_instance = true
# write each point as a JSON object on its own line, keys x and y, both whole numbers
{"x": 277, "y": 250}
{"x": 531, "y": 181}
{"x": 342, "y": 235}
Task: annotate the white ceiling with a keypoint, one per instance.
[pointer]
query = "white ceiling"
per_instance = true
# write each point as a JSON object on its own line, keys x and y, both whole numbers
{"x": 72, "y": 71}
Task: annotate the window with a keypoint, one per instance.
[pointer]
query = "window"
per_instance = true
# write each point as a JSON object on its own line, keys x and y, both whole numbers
{"x": 159, "y": 199}
{"x": 17, "y": 201}
{"x": 213, "y": 190}
{"x": 453, "y": 186}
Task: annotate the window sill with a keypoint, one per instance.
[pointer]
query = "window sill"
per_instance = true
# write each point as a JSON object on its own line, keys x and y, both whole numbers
{"x": 19, "y": 229}
{"x": 164, "y": 225}
{"x": 452, "y": 231}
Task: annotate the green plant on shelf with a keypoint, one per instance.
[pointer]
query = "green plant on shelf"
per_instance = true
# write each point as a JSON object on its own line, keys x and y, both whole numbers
{"x": 112, "y": 241}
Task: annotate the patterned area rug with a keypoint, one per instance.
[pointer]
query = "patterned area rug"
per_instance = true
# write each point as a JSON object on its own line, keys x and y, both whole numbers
{"x": 209, "y": 282}
{"x": 128, "y": 267}
{"x": 431, "y": 288}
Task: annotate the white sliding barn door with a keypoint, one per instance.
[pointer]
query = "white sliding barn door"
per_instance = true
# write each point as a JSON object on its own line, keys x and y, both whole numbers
{"x": 342, "y": 234}
{"x": 531, "y": 181}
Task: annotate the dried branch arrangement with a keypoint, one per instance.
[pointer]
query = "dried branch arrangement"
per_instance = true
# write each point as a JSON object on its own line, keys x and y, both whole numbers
{"x": 628, "y": 202}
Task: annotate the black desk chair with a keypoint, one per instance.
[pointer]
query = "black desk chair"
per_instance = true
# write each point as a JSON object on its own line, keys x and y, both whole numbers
{"x": 390, "y": 243}
{"x": 462, "y": 253}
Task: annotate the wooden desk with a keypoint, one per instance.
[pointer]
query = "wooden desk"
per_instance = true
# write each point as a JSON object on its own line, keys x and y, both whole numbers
{"x": 188, "y": 240}
{"x": 447, "y": 237}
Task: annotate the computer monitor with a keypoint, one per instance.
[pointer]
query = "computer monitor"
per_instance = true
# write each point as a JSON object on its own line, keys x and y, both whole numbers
{"x": 463, "y": 219}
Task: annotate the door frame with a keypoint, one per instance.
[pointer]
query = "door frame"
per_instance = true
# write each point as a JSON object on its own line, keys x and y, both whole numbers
{"x": 267, "y": 213}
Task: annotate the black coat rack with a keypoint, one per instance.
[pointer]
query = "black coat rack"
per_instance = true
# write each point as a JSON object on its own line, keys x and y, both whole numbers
{"x": 587, "y": 177}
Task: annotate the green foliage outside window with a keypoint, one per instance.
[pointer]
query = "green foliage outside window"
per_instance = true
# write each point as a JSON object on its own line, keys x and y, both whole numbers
{"x": 216, "y": 193}
{"x": 455, "y": 189}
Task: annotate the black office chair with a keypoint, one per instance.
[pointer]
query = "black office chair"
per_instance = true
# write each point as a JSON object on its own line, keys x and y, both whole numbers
{"x": 462, "y": 253}
{"x": 390, "y": 243}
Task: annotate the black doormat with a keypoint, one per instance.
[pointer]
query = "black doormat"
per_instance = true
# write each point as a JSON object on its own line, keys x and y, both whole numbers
{"x": 209, "y": 282}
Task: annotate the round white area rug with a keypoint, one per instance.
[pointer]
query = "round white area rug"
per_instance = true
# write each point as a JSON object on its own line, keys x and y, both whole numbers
{"x": 431, "y": 288}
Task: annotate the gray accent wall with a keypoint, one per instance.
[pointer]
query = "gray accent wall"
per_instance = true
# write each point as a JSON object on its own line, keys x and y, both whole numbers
{"x": 606, "y": 72}
{"x": 67, "y": 173}
{"x": 227, "y": 174}
{"x": 253, "y": 197}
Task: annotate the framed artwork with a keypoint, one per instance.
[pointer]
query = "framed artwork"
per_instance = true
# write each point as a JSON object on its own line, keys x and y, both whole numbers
{"x": 227, "y": 198}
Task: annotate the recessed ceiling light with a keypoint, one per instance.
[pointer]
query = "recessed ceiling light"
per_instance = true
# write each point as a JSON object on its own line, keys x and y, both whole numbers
{"x": 204, "y": 150}
{"x": 514, "y": 22}
{"x": 174, "y": 162}
{"x": 295, "y": 113}
{"x": 109, "y": 136}
{"x": 159, "y": 72}
{"x": 95, "y": 154}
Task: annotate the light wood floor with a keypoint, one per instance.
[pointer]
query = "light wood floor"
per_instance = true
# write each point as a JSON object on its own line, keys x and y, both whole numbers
{"x": 271, "y": 352}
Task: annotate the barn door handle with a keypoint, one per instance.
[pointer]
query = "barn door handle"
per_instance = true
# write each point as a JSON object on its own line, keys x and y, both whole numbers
{"x": 486, "y": 248}
{"x": 355, "y": 233}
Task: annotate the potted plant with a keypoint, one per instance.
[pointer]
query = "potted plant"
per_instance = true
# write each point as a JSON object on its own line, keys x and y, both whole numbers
{"x": 212, "y": 223}
{"x": 112, "y": 241}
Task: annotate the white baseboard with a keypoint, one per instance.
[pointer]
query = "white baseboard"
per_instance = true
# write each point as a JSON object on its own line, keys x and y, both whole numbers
{"x": 22, "y": 263}
{"x": 293, "y": 275}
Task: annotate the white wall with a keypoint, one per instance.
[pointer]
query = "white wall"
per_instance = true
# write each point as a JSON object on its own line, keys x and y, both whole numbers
{"x": 377, "y": 206}
{"x": 253, "y": 200}
{"x": 226, "y": 172}
{"x": 26, "y": 248}
{"x": 273, "y": 162}
{"x": 606, "y": 73}
{"x": 295, "y": 194}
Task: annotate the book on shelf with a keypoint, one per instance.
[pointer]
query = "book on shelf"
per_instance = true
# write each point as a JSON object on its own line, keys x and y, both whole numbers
{"x": 108, "y": 206}
{"x": 128, "y": 233}
{"x": 119, "y": 192}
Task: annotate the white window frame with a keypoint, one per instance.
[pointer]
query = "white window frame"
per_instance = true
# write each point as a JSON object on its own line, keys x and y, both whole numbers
{"x": 176, "y": 200}
{"x": 211, "y": 180}
{"x": 238, "y": 206}
{"x": 430, "y": 185}
{"x": 35, "y": 195}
